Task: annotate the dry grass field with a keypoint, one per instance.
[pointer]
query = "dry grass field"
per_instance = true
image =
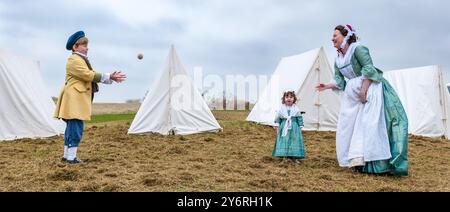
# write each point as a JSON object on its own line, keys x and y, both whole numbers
{"x": 238, "y": 159}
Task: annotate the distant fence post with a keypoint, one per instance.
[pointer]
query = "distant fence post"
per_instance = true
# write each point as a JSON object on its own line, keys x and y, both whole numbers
{"x": 224, "y": 101}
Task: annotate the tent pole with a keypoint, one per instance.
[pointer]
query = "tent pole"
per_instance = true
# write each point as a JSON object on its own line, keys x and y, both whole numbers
{"x": 318, "y": 96}
{"x": 172, "y": 49}
{"x": 443, "y": 101}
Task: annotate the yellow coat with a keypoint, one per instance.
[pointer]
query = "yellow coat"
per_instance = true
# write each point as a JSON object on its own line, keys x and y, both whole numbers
{"x": 75, "y": 100}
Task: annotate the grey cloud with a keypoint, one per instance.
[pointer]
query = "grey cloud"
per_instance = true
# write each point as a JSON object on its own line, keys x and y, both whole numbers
{"x": 400, "y": 34}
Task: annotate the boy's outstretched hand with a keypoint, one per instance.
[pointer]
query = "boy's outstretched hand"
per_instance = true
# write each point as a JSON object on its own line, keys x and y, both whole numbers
{"x": 118, "y": 76}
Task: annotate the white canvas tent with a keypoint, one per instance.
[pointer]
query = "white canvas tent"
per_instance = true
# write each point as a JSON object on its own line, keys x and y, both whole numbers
{"x": 425, "y": 98}
{"x": 174, "y": 105}
{"x": 26, "y": 107}
{"x": 301, "y": 73}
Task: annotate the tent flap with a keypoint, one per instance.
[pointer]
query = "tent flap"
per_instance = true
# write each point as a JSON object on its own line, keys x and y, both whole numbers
{"x": 174, "y": 105}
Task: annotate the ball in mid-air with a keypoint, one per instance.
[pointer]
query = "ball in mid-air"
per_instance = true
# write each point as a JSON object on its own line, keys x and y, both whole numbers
{"x": 140, "y": 56}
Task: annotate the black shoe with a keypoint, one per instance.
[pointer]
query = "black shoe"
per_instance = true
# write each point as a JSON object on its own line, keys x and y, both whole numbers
{"x": 358, "y": 169}
{"x": 74, "y": 161}
{"x": 64, "y": 159}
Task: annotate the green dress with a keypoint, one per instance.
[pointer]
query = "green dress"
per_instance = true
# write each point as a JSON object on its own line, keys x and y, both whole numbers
{"x": 396, "y": 118}
{"x": 292, "y": 145}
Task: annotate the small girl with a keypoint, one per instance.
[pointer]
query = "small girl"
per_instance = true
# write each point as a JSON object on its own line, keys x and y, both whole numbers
{"x": 289, "y": 143}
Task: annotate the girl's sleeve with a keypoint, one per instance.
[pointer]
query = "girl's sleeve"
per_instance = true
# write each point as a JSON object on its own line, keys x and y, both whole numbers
{"x": 277, "y": 120}
{"x": 300, "y": 121}
{"x": 368, "y": 70}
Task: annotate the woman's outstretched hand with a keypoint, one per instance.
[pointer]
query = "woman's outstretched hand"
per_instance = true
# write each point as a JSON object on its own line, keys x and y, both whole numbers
{"x": 323, "y": 87}
{"x": 118, "y": 76}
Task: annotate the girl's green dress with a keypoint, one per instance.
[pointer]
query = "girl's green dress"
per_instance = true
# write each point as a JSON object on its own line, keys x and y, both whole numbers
{"x": 292, "y": 145}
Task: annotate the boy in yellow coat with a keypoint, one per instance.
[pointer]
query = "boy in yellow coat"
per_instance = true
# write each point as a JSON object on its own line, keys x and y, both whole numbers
{"x": 75, "y": 101}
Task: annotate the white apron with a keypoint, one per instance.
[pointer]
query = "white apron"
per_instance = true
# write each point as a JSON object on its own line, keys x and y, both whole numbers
{"x": 361, "y": 132}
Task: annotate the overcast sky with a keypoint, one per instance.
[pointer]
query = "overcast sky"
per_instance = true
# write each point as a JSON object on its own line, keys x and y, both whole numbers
{"x": 223, "y": 36}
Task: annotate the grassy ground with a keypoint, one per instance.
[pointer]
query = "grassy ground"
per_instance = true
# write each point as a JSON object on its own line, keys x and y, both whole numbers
{"x": 105, "y": 118}
{"x": 238, "y": 159}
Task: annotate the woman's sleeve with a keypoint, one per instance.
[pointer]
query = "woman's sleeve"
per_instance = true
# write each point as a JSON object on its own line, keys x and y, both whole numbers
{"x": 369, "y": 71}
{"x": 339, "y": 81}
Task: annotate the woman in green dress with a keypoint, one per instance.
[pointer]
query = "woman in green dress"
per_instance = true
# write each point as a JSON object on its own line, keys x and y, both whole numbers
{"x": 372, "y": 132}
{"x": 289, "y": 143}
